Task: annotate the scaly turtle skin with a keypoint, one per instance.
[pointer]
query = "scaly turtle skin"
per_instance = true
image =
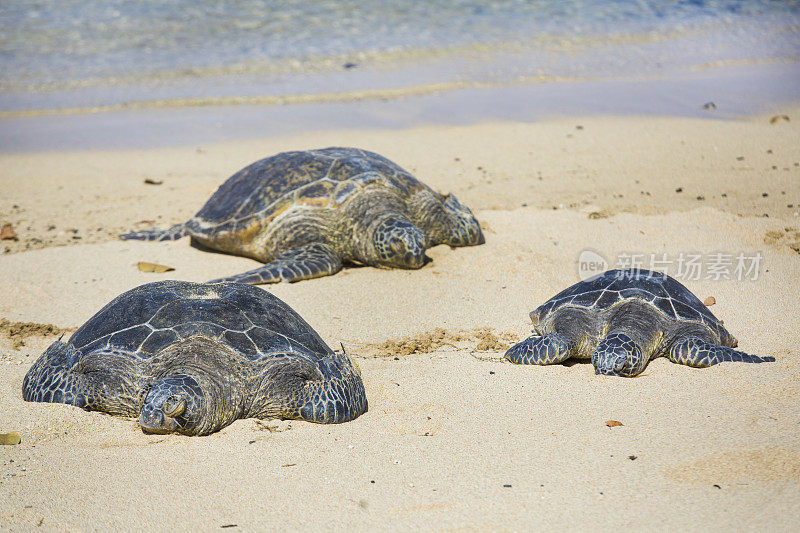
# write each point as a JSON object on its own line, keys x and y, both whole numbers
{"x": 623, "y": 318}
{"x": 305, "y": 213}
{"x": 192, "y": 358}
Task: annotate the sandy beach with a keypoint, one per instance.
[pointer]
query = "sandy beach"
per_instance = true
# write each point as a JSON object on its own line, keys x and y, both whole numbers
{"x": 455, "y": 438}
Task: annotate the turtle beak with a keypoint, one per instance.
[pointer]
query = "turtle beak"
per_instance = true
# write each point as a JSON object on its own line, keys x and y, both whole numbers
{"x": 153, "y": 421}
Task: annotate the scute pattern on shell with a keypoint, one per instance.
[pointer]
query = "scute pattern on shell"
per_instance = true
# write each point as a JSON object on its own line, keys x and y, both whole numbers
{"x": 323, "y": 178}
{"x": 192, "y": 358}
{"x": 241, "y": 316}
{"x": 612, "y": 287}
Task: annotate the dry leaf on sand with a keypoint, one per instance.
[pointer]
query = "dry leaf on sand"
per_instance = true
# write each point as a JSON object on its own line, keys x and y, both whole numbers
{"x": 153, "y": 267}
{"x": 9, "y": 438}
{"x": 7, "y": 232}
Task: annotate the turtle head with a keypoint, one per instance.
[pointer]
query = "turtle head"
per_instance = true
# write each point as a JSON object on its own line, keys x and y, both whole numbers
{"x": 609, "y": 363}
{"x": 618, "y": 355}
{"x": 398, "y": 243}
{"x": 464, "y": 227}
{"x": 172, "y": 405}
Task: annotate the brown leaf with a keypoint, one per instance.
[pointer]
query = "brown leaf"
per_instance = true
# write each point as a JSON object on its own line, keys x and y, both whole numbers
{"x": 7, "y": 232}
{"x": 613, "y": 423}
{"x": 9, "y": 438}
{"x": 153, "y": 267}
{"x": 708, "y": 302}
{"x": 778, "y": 118}
{"x": 151, "y": 181}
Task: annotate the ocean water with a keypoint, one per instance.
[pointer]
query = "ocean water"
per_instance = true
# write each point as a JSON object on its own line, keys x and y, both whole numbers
{"x": 65, "y": 54}
{"x": 77, "y": 74}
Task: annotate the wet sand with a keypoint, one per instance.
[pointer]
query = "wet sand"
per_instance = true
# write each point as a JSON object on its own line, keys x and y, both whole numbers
{"x": 454, "y": 437}
{"x": 736, "y": 88}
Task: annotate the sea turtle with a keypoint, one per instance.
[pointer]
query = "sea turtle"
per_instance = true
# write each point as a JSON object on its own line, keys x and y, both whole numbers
{"x": 304, "y": 213}
{"x": 192, "y": 358}
{"x": 623, "y": 318}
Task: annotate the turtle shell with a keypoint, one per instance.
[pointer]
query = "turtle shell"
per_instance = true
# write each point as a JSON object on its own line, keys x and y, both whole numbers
{"x": 313, "y": 178}
{"x": 614, "y": 286}
{"x": 144, "y": 321}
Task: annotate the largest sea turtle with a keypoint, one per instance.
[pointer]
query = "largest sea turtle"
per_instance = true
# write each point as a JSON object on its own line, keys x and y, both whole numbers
{"x": 192, "y": 358}
{"x": 304, "y": 213}
{"x": 623, "y": 318}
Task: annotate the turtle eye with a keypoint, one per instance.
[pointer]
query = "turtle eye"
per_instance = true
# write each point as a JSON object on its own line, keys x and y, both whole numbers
{"x": 174, "y": 406}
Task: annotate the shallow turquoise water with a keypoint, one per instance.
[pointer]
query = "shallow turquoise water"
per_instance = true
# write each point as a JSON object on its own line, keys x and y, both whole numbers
{"x": 77, "y": 53}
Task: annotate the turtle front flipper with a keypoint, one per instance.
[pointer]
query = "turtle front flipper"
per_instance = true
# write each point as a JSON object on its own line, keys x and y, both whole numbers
{"x": 700, "y": 354}
{"x": 178, "y": 231}
{"x": 329, "y": 391}
{"x": 58, "y": 376}
{"x": 460, "y": 227}
{"x": 619, "y": 355}
{"x": 311, "y": 261}
{"x": 539, "y": 350}
{"x": 51, "y": 379}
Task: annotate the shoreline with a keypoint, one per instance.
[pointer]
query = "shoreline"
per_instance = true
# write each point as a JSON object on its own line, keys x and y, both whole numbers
{"x": 737, "y": 90}
{"x": 370, "y": 89}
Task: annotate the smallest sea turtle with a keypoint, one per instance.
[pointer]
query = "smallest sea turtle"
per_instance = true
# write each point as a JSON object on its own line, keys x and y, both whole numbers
{"x": 623, "y": 318}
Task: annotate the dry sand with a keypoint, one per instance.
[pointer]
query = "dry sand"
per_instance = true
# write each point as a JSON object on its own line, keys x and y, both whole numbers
{"x": 454, "y": 438}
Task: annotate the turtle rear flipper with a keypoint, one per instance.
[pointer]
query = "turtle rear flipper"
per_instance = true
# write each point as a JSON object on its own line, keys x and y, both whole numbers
{"x": 178, "y": 231}
{"x": 700, "y": 354}
{"x": 307, "y": 262}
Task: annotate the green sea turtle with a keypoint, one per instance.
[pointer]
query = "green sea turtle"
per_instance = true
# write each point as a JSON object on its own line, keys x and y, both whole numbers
{"x": 623, "y": 318}
{"x": 192, "y": 358}
{"x": 305, "y": 213}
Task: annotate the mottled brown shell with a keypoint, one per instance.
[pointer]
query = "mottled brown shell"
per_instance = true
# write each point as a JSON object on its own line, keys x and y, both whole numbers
{"x": 324, "y": 178}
